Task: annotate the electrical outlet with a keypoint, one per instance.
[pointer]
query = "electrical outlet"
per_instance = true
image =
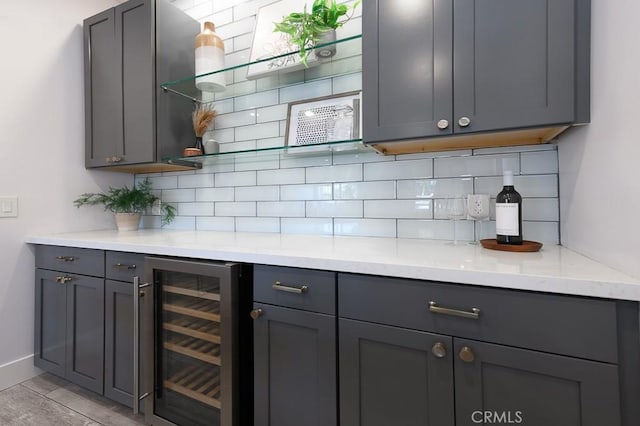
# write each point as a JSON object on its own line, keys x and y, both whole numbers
{"x": 8, "y": 206}
{"x": 155, "y": 209}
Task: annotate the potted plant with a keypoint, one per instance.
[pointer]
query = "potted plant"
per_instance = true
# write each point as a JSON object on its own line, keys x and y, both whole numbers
{"x": 128, "y": 204}
{"x": 318, "y": 27}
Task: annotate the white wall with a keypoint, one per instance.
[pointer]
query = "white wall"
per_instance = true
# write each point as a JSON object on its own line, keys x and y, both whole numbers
{"x": 41, "y": 153}
{"x": 599, "y": 193}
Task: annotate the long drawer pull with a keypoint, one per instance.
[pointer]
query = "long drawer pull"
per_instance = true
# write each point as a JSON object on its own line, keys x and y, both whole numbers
{"x": 63, "y": 280}
{"x": 474, "y": 314}
{"x": 297, "y": 290}
{"x": 65, "y": 258}
{"x": 123, "y": 266}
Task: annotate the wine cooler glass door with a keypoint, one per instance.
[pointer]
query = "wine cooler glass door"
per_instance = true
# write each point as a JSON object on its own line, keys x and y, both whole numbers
{"x": 194, "y": 338}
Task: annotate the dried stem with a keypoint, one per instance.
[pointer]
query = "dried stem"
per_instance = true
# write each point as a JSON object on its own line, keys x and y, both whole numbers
{"x": 202, "y": 116}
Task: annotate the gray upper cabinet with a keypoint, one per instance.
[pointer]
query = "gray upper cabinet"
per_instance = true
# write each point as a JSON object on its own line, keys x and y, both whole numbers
{"x": 130, "y": 123}
{"x": 441, "y": 69}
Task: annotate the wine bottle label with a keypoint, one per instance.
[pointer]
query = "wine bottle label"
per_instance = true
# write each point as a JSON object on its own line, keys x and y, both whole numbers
{"x": 507, "y": 219}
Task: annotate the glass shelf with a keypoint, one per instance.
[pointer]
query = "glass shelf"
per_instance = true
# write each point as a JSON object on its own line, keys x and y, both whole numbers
{"x": 347, "y": 60}
{"x": 352, "y": 146}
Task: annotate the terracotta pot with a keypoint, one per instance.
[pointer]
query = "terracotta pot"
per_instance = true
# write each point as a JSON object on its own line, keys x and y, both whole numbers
{"x": 128, "y": 221}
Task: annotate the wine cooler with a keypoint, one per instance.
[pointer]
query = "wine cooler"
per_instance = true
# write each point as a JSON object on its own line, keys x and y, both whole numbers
{"x": 190, "y": 344}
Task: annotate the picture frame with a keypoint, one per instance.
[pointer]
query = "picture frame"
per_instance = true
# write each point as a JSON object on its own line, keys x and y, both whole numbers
{"x": 269, "y": 44}
{"x": 322, "y": 120}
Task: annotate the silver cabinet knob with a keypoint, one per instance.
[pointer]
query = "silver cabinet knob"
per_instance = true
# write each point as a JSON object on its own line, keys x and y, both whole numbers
{"x": 113, "y": 159}
{"x": 439, "y": 350}
{"x": 256, "y": 313}
{"x": 464, "y": 121}
{"x": 443, "y": 124}
{"x": 466, "y": 354}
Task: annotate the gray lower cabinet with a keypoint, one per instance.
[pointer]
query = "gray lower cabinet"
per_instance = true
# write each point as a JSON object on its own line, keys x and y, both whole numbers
{"x": 425, "y": 353}
{"x": 469, "y": 67}
{"x": 129, "y": 50}
{"x": 69, "y": 326}
{"x": 295, "y": 376}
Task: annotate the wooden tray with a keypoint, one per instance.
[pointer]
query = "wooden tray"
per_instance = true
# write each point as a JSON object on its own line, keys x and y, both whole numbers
{"x": 526, "y": 246}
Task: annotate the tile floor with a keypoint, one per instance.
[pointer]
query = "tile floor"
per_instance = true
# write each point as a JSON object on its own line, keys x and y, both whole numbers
{"x": 47, "y": 400}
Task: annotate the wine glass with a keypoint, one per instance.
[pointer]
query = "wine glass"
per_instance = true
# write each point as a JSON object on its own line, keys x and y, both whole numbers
{"x": 478, "y": 209}
{"x": 456, "y": 209}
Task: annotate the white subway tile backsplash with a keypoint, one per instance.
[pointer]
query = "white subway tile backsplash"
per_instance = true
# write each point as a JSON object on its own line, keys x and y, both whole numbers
{"x": 400, "y": 209}
{"x": 306, "y": 225}
{"x": 347, "y": 83}
{"x": 235, "y": 119}
{"x": 281, "y": 208}
{"x": 200, "y": 11}
{"x": 416, "y": 156}
{"x": 272, "y": 113}
{"x": 214, "y": 194}
{"x": 544, "y": 209}
{"x": 178, "y": 195}
{"x": 305, "y": 91}
{"x": 290, "y": 161}
{"x": 306, "y": 192}
{"x": 539, "y": 162}
{"x": 243, "y": 42}
{"x": 195, "y": 209}
{"x": 236, "y": 28}
{"x": 224, "y": 4}
{"x": 223, "y": 17}
{"x": 480, "y": 165}
{"x": 253, "y": 163}
{"x": 270, "y": 142}
{"x": 523, "y": 148}
{"x": 239, "y": 146}
{"x": 256, "y": 100}
{"x": 409, "y": 169}
{"x": 248, "y": 8}
{"x": 225, "y": 224}
{"x": 436, "y": 229}
{"x": 364, "y": 190}
{"x": 365, "y": 227}
{"x": 236, "y": 179}
{"x": 280, "y": 177}
{"x": 257, "y": 224}
{"x": 258, "y": 131}
{"x": 544, "y": 232}
{"x": 334, "y": 208}
{"x": 182, "y": 223}
{"x": 360, "y": 157}
{"x": 195, "y": 181}
{"x": 162, "y": 182}
{"x": 342, "y": 173}
{"x": 545, "y": 186}
{"x": 223, "y": 135}
{"x": 257, "y": 193}
{"x": 434, "y": 188}
{"x": 244, "y": 208}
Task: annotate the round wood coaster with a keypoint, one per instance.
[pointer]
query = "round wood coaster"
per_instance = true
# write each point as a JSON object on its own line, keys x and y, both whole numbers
{"x": 526, "y": 246}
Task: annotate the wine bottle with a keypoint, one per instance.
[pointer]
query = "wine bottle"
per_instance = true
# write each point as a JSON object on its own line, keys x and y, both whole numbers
{"x": 508, "y": 212}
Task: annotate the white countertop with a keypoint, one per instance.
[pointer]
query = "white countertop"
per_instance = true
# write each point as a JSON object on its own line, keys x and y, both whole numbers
{"x": 554, "y": 269}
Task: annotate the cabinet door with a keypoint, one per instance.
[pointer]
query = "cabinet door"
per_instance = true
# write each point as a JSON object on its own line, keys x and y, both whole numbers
{"x": 134, "y": 60}
{"x": 85, "y": 332}
{"x": 532, "y": 388}
{"x": 102, "y": 96}
{"x": 294, "y": 368}
{"x": 513, "y": 63}
{"x": 50, "y": 327}
{"x": 118, "y": 349}
{"x": 406, "y": 68}
{"x": 391, "y": 376}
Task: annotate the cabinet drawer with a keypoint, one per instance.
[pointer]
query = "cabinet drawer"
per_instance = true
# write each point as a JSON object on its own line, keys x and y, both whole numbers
{"x": 306, "y": 289}
{"x": 560, "y": 324}
{"x": 123, "y": 266}
{"x": 71, "y": 259}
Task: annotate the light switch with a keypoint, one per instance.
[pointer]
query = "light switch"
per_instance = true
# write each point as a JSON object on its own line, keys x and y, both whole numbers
{"x": 8, "y": 206}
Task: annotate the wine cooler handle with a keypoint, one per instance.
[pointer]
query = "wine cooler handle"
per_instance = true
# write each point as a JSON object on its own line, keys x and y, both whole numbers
{"x": 137, "y": 294}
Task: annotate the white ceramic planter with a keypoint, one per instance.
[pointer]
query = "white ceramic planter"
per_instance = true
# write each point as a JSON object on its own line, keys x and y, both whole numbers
{"x": 128, "y": 221}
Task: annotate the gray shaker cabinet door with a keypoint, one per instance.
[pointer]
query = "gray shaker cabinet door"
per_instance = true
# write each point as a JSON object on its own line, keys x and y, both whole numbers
{"x": 119, "y": 334}
{"x": 134, "y": 59}
{"x": 406, "y": 69}
{"x": 533, "y": 388}
{"x": 85, "y": 332}
{"x": 390, "y": 376}
{"x": 50, "y": 326}
{"x": 102, "y": 102}
{"x": 513, "y": 63}
{"x": 294, "y": 368}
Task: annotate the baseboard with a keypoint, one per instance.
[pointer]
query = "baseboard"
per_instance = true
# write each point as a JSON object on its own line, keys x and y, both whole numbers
{"x": 17, "y": 371}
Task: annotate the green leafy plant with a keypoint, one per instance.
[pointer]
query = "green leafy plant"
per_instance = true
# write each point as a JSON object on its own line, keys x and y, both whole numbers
{"x": 128, "y": 200}
{"x": 304, "y": 28}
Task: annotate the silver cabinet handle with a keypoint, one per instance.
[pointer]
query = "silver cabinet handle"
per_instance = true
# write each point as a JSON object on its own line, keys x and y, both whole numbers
{"x": 289, "y": 289}
{"x": 63, "y": 280}
{"x": 474, "y": 314}
{"x": 113, "y": 159}
{"x": 65, "y": 258}
{"x": 443, "y": 124}
{"x": 137, "y": 294}
{"x": 439, "y": 350}
{"x": 123, "y": 266}
{"x": 464, "y": 121}
{"x": 466, "y": 354}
